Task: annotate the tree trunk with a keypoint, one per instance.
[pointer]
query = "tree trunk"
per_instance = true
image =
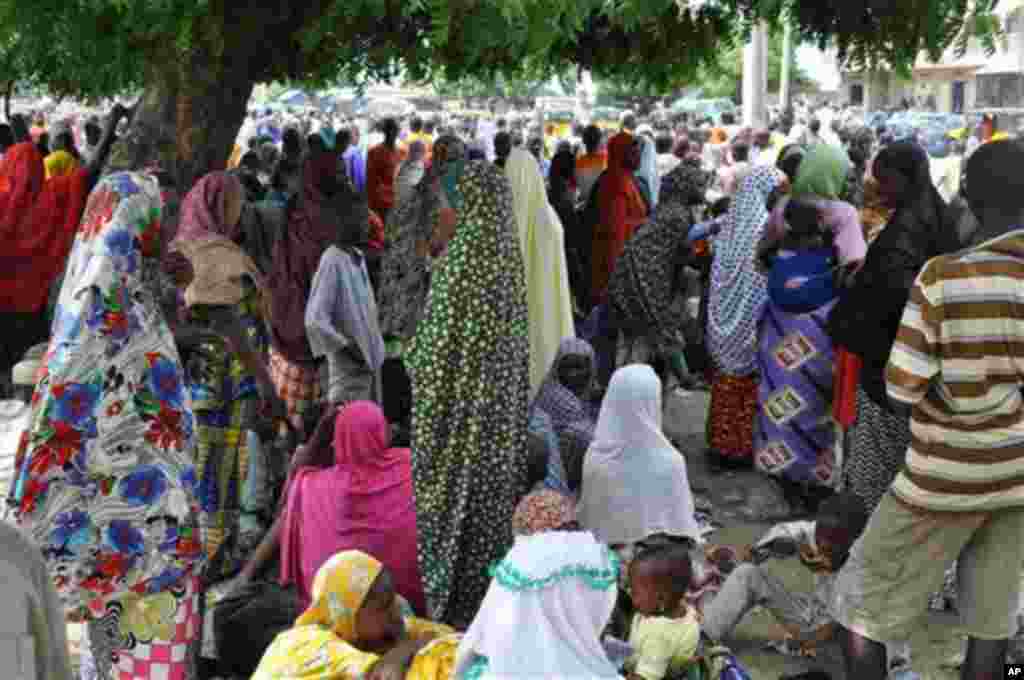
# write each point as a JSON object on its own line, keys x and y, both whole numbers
{"x": 8, "y": 93}
{"x": 188, "y": 118}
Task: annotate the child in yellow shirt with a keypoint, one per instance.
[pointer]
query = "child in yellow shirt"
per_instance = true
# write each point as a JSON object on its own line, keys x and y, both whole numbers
{"x": 665, "y": 633}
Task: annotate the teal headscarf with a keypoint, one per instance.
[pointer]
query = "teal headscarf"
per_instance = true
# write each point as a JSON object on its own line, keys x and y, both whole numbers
{"x": 450, "y": 182}
{"x": 329, "y": 136}
{"x": 822, "y": 173}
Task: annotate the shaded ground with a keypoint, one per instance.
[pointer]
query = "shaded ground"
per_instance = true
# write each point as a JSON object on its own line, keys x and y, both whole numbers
{"x": 746, "y": 504}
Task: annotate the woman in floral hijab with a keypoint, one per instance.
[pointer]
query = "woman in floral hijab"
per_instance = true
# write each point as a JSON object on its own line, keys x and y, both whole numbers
{"x": 106, "y": 485}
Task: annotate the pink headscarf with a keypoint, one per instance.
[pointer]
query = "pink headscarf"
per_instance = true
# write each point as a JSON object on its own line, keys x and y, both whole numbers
{"x": 205, "y": 208}
{"x": 365, "y": 502}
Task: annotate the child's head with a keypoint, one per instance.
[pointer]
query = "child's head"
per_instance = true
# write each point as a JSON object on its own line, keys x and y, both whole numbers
{"x": 740, "y": 152}
{"x": 659, "y": 578}
{"x": 804, "y": 228}
{"x": 994, "y": 190}
{"x": 841, "y": 519}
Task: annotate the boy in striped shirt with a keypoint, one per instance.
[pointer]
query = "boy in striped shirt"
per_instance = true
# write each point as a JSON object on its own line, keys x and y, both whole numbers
{"x": 957, "y": 368}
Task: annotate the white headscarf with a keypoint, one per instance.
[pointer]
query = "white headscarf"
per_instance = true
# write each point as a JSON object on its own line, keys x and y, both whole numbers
{"x": 33, "y": 613}
{"x": 542, "y": 239}
{"x": 634, "y": 481}
{"x": 544, "y": 612}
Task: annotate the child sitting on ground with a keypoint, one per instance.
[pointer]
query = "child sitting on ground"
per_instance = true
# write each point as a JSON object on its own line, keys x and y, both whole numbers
{"x": 805, "y": 618}
{"x": 665, "y": 632}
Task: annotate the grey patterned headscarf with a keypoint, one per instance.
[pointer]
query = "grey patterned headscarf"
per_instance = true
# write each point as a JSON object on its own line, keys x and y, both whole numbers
{"x": 557, "y": 400}
{"x": 405, "y": 276}
{"x": 418, "y": 214}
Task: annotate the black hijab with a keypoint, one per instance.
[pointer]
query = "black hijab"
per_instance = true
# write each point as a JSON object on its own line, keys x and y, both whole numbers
{"x": 920, "y": 209}
{"x": 868, "y": 315}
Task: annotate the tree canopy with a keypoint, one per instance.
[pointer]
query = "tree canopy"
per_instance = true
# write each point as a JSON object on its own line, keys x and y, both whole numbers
{"x": 198, "y": 60}
{"x": 98, "y": 47}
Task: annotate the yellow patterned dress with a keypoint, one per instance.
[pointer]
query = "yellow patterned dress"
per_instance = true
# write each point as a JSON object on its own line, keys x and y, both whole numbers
{"x": 320, "y": 646}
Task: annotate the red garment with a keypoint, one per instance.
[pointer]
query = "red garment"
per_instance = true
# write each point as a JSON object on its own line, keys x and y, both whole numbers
{"x": 364, "y": 502}
{"x": 844, "y": 397}
{"x": 988, "y": 129}
{"x": 731, "y": 415}
{"x": 381, "y": 169}
{"x": 622, "y": 209}
{"x": 376, "y": 241}
{"x": 38, "y": 221}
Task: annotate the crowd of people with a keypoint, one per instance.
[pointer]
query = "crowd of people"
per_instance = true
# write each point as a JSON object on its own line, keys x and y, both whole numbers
{"x": 348, "y": 410}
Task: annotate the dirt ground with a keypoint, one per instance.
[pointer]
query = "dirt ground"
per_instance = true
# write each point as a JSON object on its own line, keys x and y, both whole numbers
{"x": 745, "y": 504}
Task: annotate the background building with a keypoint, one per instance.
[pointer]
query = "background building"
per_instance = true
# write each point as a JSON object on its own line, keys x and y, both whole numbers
{"x": 954, "y": 84}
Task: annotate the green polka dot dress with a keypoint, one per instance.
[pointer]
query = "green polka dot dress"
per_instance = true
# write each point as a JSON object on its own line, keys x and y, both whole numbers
{"x": 469, "y": 366}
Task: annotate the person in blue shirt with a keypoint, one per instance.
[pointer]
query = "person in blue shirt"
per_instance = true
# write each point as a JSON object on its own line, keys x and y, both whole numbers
{"x": 353, "y": 157}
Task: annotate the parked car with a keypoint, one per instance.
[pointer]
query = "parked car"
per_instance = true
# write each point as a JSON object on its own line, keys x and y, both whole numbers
{"x": 705, "y": 108}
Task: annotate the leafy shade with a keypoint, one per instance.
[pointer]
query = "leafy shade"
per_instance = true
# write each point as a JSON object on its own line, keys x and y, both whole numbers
{"x": 198, "y": 60}
{"x": 99, "y": 47}
{"x": 889, "y": 32}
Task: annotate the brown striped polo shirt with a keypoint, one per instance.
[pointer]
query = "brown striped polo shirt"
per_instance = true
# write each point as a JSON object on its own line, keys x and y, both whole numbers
{"x": 959, "y": 361}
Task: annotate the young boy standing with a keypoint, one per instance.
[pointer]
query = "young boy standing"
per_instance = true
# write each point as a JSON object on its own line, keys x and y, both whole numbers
{"x": 958, "y": 363}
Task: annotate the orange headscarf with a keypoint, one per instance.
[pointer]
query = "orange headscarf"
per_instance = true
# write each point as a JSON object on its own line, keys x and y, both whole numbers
{"x": 38, "y": 221}
{"x": 622, "y": 209}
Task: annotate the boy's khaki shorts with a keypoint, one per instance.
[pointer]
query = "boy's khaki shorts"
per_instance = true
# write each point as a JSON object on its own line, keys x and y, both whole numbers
{"x": 901, "y": 558}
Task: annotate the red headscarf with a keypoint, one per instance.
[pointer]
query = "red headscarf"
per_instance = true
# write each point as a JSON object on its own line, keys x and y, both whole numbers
{"x": 318, "y": 222}
{"x": 38, "y": 221}
{"x": 622, "y": 209}
{"x": 364, "y": 502}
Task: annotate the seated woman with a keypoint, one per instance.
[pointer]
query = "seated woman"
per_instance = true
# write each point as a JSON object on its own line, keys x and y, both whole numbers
{"x": 354, "y": 630}
{"x": 544, "y": 612}
{"x": 33, "y": 630}
{"x": 636, "y": 491}
{"x": 562, "y": 415}
{"x": 635, "y": 483}
{"x": 364, "y": 502}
